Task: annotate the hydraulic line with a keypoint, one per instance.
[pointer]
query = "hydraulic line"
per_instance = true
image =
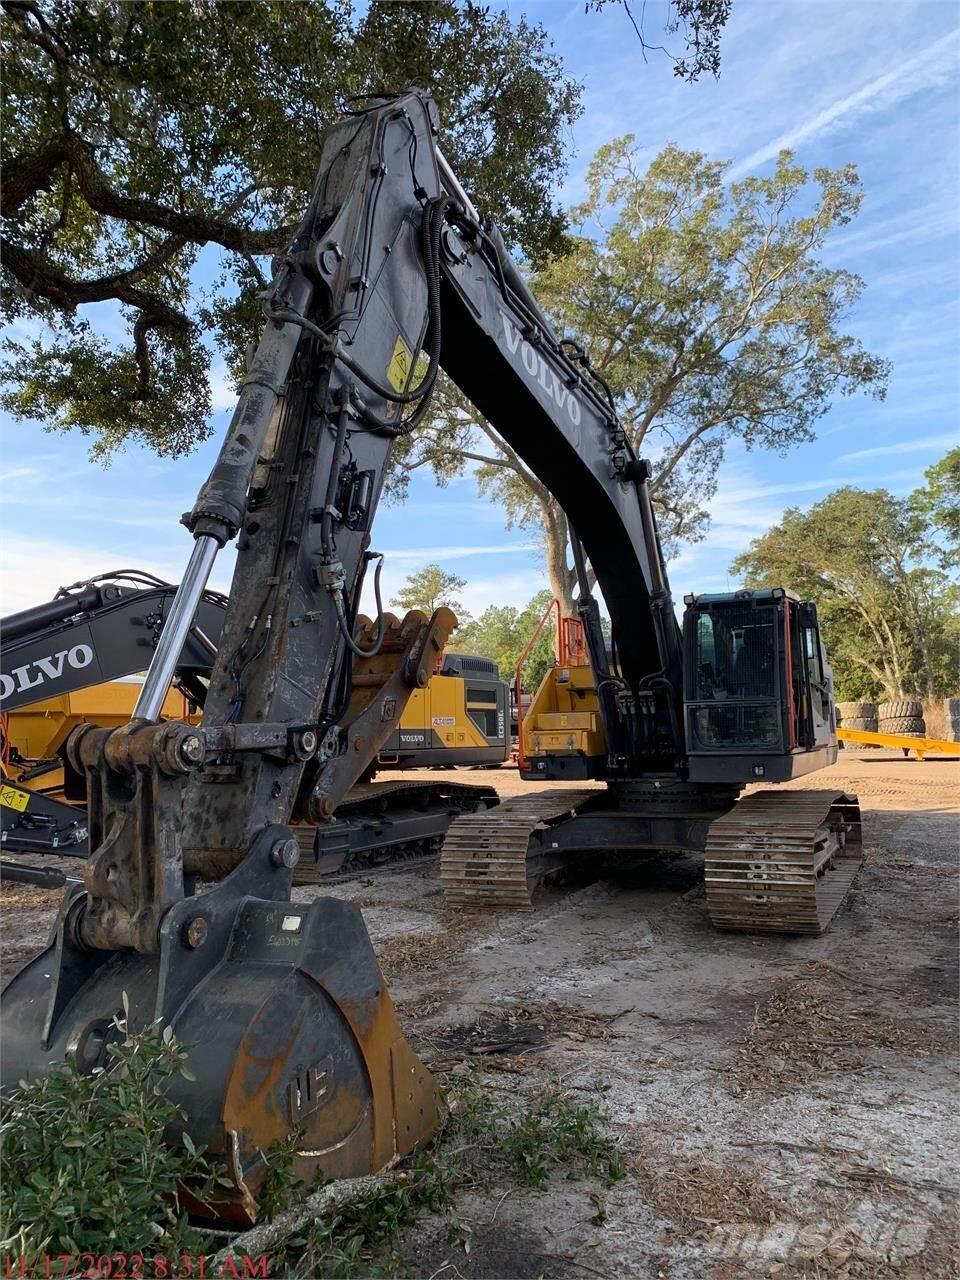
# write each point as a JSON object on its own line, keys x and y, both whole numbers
{"x": 430, "y": 229}
{"x": 345, "y": 626}
{"x": 328, "y": 546}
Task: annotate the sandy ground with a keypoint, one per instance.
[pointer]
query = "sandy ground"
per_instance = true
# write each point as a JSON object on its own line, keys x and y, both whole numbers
{"x": 787, "y": 1107}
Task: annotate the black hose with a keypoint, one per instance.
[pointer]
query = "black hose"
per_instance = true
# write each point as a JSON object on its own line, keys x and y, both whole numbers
{"x": 346, "y": 626}
{"x": 326, "y": 518}
{"x": 431, "y": 226}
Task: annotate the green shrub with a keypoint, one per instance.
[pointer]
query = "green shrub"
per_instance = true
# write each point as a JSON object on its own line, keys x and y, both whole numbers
{"x": 83, "y": 1160}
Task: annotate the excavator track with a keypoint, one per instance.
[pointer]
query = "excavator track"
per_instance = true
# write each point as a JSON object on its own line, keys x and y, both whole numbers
{"x": 783, "y": 861}
{"x": 372, "y": 803}
{"x": 484, "y": 861}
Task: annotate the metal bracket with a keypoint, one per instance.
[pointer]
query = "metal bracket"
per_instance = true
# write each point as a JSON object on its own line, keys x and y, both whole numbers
{"x": 135, "y": 779}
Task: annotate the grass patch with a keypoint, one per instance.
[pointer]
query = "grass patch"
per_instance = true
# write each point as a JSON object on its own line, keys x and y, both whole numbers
{"x": 557, "y": 1132}
{"x": 421, "y": 950}
{"x": 361, "y": 1238}
{"x": 482, "y": 1143}
{"x": 812, "y": 1026}
{"x": 86, "y": 1169}
{"x": 496, "y": 1037}
{"x": 697, "y": 1195}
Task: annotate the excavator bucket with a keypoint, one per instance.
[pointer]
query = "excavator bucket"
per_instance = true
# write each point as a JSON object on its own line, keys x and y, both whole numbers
{"x": 283, "y": 1011}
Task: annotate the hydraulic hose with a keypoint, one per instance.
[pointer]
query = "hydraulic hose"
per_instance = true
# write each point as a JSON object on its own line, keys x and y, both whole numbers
{"x": 431, "y": 226}
{"x": 345, "y": 627}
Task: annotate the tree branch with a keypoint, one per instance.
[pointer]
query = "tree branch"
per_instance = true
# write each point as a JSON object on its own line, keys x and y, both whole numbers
{"x": 26, "y": 175}
{"x": 40, "y": 277}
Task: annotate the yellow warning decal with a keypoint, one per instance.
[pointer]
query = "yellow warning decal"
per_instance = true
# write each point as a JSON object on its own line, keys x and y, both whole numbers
{"x": 14, "y": 799}
{"x": 398, "y": 370}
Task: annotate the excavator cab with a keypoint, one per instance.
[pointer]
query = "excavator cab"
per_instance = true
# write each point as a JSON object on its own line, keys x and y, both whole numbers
{"x": 758, "y": 693}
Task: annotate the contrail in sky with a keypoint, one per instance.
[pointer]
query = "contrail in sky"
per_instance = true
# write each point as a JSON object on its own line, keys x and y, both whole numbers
{"x": 930, "y": 66}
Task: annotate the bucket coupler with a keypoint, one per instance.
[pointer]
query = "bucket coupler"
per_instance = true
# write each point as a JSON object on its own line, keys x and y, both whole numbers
{"x": 282, "y": 1008}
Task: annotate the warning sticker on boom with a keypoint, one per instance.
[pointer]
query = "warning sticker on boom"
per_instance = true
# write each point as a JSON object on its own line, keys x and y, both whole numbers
{"x": 11, "y": 798}
{"x": 399, "y": 368}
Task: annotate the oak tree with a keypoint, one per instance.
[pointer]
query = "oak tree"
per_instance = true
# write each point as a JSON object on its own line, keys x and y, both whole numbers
{"x": 138, "y": 135}
{"x": 502, "y": 632}
{"x": 428, "y": 589}
{"x": 696, "y": 24}
{"x": 890, "y": 615}
{"x": 707, "y": 308}
{"x": 936, "y": 504}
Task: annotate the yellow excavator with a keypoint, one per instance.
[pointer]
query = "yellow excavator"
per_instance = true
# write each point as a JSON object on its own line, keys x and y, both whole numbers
{"x": 185, "y": 916}
{"x": 70, "y": 662}
{"x": 461, "y": 718}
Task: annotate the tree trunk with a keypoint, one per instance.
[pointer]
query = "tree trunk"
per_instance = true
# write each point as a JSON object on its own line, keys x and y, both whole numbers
{"x": 854, "y": 596}
{"x": 894, "y": 652}
{"x": 562, "y": 578}
{"x": 920, "y": 630}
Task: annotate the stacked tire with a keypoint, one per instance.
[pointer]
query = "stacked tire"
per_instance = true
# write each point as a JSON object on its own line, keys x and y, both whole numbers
{"x": 904, "y": 716}
{"x": 857, "y": 715}
{"x": 951, "y": 718}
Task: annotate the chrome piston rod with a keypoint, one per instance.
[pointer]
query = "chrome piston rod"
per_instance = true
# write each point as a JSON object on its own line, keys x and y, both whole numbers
{"x": 223, "y": 496}
{"x": 174, "y": 635}
{"x": 451, "y": 184}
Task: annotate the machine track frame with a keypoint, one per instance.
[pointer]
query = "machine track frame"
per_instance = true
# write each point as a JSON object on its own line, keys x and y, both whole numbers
{"x": 775, "y": 861}
{"x": 380, "y": 825}
{"x": 783, "y": 861}
{"x": 486, "y": 859}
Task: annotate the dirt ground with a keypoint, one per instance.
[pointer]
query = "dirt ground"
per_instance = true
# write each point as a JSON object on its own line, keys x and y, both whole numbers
{"x": 786, "y": 1107}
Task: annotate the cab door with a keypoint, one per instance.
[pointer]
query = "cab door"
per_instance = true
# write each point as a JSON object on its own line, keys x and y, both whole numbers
{"x": 817, "y": 677}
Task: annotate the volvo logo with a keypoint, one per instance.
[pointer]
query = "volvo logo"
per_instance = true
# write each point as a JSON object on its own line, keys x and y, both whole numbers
{"x": 537, "y": 367}
{"x": 34, "y": 674}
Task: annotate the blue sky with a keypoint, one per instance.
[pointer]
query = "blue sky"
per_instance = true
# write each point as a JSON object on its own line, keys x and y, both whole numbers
{"x": 874, "y": 82}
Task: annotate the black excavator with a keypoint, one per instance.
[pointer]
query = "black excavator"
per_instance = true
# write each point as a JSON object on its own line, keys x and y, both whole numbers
{"x": 392, "y": 275}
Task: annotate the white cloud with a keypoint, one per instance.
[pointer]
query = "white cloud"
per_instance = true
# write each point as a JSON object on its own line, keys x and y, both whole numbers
{"x": 434, "y": 555}
{"x": 223, "y": 392}
{"x": 33, "y": 569}
{"x": 944, "y": 441}
{"x": 917, "y": 226}
{"x": 18, "y": 473}
{"x": 931, "y": 66}
{"x": 514, "y": 589}
{"x": 751, "y": 492}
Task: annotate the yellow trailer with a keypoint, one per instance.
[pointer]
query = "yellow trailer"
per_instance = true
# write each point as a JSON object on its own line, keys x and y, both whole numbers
{"x": 922, "y": 746}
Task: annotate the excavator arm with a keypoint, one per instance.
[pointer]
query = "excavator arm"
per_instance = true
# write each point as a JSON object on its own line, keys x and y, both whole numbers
{"x": 103, "y": 629}
{"x": 95, "y": 631}
{"x": 557, "y": 416}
